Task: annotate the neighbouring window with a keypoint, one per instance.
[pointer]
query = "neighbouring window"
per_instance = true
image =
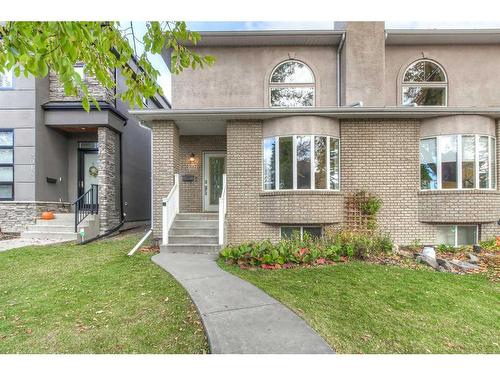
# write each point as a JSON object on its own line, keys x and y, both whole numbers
{"x": 457, "y": 235}
{"x": 292, "y": 85}
{"x": 458, "y": 162}
{"x": 424, "y": 84}
{"x": 6, "y": 164}
{"x": 80, "y": 70}
{"x": 7, "y": 79}
{"x": 288, "y": 232}
{"x": 301, "y": 162}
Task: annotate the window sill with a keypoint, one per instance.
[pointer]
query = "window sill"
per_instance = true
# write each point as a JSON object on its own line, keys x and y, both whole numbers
{"x": 459, "y": 191}
{"x": 299, "y": 192}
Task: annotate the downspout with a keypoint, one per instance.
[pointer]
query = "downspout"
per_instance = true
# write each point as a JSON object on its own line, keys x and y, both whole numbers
{"x": 150, "y": 231}
{"x": 339, "y": 50}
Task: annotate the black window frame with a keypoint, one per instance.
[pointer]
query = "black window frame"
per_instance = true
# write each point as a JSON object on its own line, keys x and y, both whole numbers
{"x": 4, "y": 183}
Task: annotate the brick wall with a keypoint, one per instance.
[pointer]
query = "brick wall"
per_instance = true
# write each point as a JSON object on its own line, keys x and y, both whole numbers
{"x": 109, "y": 178}
{"x": 244, "y": 183}
{"x": 468, "y": 206}
{"x": 305, "y": 207}
{"x": 191, "y": 192}
{"x": 382, "y": 157}
{"x": 16, "y": 216}
{"x": 100, "y": 93}
{"x": 165, "y": 165}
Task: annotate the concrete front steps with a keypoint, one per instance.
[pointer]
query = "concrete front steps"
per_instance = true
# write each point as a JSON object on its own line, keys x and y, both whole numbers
{"x": 193, "y": 233}
{"x": 62, "y": 228}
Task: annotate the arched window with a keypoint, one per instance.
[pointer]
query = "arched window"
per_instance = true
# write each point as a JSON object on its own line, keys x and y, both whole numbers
{"x": 425, "y": 84}
{"x": 291, "y": 85}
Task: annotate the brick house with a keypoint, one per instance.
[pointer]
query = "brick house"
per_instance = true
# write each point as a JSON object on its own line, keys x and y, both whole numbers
{"x": 53, "y": 153}
{"x": 287, "y": 124}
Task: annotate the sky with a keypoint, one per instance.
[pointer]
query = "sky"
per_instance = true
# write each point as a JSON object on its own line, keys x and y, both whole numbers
{"x": 164, "y": 79}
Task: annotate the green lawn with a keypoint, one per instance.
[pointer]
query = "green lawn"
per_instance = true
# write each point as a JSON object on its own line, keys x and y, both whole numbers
{"x": 366, "y": 308}
{"x": 93, "y": 299}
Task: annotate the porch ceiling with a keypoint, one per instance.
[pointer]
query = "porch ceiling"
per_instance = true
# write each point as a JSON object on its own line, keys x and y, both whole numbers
{"x": 213, "y": 121}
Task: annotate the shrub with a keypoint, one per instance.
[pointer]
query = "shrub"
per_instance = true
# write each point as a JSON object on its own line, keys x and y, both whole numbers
{"x": 308, "y": 250}
{"x": 443, "y": 248}
{"x": 490, "y": 245}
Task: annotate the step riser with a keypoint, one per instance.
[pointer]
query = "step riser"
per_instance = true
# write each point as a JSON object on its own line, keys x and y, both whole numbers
{"x": 205, "y": 224}
{"x": 193, "y": 240}
{"x": 201, "y": 216}
{"x": 204, "y": 249}
{"x": 51, "y": 228}
{"x": 194, "y": 232}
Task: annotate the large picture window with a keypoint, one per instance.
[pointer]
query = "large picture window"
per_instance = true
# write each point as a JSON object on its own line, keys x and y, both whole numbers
{"x": 458, "y": 162}
{"x": 292, "y": 85}
{"x": 424, "y": 84}
{"x": 6, "y": 164}
{"x": 301, "y": 162}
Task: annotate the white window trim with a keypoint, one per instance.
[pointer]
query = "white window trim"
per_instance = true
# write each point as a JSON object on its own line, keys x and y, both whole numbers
{"x": 294, "y": 163}
{"x": 430, "y": 84}
{"x": 459, "y": 163}
{"x": 456, "y": 231}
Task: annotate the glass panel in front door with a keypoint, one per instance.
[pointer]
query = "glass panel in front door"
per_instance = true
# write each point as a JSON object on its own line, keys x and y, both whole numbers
{"x": 90, "y": 171}
{"x": 216, "y": 170}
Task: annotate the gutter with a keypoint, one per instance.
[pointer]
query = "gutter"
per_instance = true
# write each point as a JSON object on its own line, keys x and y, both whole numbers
{"x": 339, "y": 50}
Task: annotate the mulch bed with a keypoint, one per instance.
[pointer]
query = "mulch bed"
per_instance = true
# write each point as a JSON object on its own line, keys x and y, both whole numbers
{"x": 489, "y": 262}
{"x": 149, "y": 249}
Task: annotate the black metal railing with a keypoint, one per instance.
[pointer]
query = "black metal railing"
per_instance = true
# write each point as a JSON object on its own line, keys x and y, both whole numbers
{"x": 87, "y": 204}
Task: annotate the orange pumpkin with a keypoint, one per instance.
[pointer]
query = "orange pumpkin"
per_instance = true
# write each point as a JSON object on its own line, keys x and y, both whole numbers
{"x": 47, "y": 215}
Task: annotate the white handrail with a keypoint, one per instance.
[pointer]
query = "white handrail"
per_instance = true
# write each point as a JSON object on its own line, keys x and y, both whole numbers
{"x": 170, "y": 208}
{"x": 222, "y": 211}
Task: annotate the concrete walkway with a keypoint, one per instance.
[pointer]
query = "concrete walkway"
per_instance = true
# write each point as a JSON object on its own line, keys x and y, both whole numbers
{"x": 239, "y": 317}
{"x": 21, "y": 242}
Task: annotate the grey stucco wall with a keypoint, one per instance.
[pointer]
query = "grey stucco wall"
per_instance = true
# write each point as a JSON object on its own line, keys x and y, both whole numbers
{"x": 51, "y": 153}
{"x": 240, "y": 74}
{"x": 472, "y": 72}
{"x": 17, "y": 111}
{"x": 136, "y": 164}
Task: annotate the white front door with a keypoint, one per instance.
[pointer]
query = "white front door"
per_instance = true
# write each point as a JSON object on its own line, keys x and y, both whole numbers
{"x": 214, "y": 166}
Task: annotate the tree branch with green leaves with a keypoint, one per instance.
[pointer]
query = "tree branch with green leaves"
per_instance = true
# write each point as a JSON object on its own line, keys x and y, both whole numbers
{"x": 35, "y": 48}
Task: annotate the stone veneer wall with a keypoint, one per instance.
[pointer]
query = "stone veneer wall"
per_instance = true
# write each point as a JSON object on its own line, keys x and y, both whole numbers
{"x": 382, "y": 157}
{"x": 191, "y": 192}
{"x": 244, "y": 183}
{"x": 16, "y": 216}
{"x": 100, "y": 93}
{"x": 109, "y": 178}
{"x": 165, "y": 165}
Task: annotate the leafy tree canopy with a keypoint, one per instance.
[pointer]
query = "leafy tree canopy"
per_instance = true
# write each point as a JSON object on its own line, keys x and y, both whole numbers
{"x": 37, "y": 47}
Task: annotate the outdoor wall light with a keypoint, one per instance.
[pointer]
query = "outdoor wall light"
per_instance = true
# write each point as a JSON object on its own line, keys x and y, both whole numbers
{"x": 191, "y": 158}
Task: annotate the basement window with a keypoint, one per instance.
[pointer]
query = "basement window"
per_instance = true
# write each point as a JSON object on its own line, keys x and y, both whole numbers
{"x": 457, "y": 235}
{"x": 288, "y": 231}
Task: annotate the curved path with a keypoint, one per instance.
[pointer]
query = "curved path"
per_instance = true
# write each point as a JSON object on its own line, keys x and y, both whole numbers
{"x": 239, "y": 317}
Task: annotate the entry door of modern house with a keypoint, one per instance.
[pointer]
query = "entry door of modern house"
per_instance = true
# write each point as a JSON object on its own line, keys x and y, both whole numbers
{"x": 88, "y": 168}
{"x": 214, "y": 166}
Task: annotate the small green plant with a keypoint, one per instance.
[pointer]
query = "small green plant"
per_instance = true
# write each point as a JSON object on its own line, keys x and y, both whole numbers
{"x": 444, "y": 248}
{"x": 371, "y": 206}
{"x": 490, "y": 245}
{"x": 415, "y": 245}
